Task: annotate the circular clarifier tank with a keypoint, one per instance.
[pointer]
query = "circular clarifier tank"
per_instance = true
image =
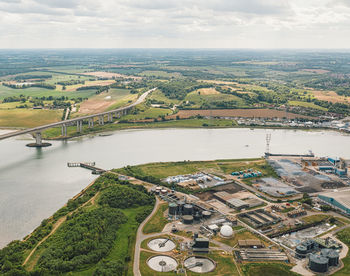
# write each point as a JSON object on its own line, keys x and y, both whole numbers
{"x": 161, "y": 245}
{"x": 162, "y": 263}
{"x": 199, "y": 264}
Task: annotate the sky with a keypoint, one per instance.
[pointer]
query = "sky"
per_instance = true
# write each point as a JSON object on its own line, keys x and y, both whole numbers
{"x": 175, "y": 24}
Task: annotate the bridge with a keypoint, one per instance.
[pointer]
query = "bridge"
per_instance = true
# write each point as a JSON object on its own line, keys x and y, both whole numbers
{"x": 116, "y": 113}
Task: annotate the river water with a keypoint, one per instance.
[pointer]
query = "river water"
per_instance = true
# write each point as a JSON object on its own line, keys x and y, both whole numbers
{"x": 34, "y": 183}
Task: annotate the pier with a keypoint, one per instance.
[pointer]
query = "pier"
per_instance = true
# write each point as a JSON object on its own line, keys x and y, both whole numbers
{"x": 87, "y": 165}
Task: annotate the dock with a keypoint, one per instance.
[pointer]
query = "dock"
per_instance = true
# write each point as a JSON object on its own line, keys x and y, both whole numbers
{"x": 289, "y": 155}
{"x": 87, "y": 165}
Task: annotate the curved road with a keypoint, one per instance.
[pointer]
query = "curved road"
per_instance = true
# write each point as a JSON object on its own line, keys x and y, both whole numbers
{"x": 39, "y": 128}
{"x": 140, "y": 238}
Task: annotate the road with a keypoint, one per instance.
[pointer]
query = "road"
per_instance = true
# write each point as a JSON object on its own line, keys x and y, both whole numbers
{"x": 139, "y": 238}
{"x": 66, "y": 122}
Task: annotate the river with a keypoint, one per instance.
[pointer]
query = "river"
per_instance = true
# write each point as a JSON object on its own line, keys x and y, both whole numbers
{"x": 34, "y": 183}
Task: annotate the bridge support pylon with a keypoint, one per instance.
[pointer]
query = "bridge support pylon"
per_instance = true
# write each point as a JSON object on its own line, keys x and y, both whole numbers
{"x": 64, "y": 130}
{"x": 79, "y": 126}
{"x": 91, "y": 122}
{"x": 38, "y": 141}
{"x": 101, "y": 120}
{"x": 110, "y": 117}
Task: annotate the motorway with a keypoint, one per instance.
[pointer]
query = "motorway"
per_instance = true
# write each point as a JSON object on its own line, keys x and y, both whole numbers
{"x": 70, "y": 121}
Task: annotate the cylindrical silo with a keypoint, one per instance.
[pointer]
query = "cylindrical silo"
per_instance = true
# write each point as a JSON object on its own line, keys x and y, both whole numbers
{"x": 187, "y": 219}
{"x": 173, "y": 209}
{"x": 188, "y": 209}
{"x": 318, "y": 263}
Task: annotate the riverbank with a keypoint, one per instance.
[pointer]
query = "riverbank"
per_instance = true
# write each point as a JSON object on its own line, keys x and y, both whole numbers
{"x": 55, "y": 133}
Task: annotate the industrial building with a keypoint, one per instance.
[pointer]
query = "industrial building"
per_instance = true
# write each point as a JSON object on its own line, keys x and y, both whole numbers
{"x": 339, "y": 200}
{"x": 250, "y": 243}
{"x": 262, "y": 255}
{"x": 200, "y": 245}
{"x": 296, "y": 213}
{"x": 259, "y": 218}
{"x": 232, "y": 201}
{"x": 327, "y": 243}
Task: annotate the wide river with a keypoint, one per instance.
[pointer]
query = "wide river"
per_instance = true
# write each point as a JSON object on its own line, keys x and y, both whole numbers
{"x": 34, "y": 183}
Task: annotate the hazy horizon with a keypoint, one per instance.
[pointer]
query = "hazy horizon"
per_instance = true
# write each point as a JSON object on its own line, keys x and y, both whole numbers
{"x": 179, "y": 24}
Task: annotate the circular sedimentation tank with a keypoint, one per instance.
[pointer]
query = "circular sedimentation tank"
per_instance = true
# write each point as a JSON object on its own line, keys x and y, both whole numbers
{"x": 162, "y": 263}
{"x": 161, "y": 245}
{"x": 199, "y": 264}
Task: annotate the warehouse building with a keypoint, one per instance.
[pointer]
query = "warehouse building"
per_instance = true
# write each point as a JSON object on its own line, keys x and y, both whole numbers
{"x": 339, "y": 200}
{"x": 233, "y": 201}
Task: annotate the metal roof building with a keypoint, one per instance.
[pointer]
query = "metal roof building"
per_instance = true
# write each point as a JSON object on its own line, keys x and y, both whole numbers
{"x": 339, "y": 199}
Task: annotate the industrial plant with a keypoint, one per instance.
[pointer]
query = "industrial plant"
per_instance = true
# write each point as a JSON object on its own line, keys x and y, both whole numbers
{"x": 254, "y": 217}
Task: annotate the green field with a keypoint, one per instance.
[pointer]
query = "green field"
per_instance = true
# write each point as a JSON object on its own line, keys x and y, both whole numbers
{"x": 160, "y": 74}
{"x": 160, "y": 97}
{"x": 148, "y": 113}
{"x": 344, "y": 236}
{"x": 27, "y": 118}
{"x": 267, "y": 269}
{"x": 157, "y": 222}
{"x": 42, "y": 92}
{"x": 162, "y": 170}
{"x": 199, "y": 100}
{"x": 307, "y": 104}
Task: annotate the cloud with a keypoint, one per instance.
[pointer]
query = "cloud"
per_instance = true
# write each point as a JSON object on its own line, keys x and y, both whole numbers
{"x": 174, "y": 23}
{"x": 69, "y": 4}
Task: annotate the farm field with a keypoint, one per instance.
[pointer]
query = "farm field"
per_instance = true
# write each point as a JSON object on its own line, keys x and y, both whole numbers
{"x": 244, "y": 113}
{"x": 330, "y": 96}
{"x": 43, "y": 92}
{"x": 104, "y": 101}
{"x": 307, "y": 104}
{"x": 101, "y": 74}
{"x": 161, "y": 74}
{"x": 211, "y": 98}
{"x": 27, "y": 118}
{"x": 70, "y": 88}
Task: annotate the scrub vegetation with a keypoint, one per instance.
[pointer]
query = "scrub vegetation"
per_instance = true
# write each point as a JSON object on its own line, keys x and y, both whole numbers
{"x": 95, "y": 234}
